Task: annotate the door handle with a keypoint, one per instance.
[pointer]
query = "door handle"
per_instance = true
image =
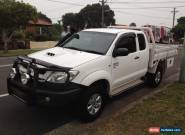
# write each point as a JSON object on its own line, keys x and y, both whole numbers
{"x": 137, "y": 57}
{"x": 115, "y": 64}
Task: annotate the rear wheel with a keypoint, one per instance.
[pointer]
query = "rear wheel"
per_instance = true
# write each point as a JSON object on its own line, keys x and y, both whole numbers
{"x": 30, "y": 104}
{"x": 155, "y": 79}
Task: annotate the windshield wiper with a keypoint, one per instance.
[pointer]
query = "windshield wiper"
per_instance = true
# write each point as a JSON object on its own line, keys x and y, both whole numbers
{"x": 74, "y": 48}
{"x": 91, "y": 51}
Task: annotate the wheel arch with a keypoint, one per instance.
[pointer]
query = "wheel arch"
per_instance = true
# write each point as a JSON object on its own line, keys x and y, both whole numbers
{"x": 160, "y": 64}
{"x": 98, "y": 77}
{"x": 105, "y": 84}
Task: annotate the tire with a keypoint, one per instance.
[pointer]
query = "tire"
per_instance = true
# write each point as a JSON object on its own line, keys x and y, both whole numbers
{"x": 30, "y": 104}
{"x": 92, "y": 103}
{"x": 154, "y": 80}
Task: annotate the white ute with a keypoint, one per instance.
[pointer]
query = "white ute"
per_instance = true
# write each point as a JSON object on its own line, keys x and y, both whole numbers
{"x": 90, "y": 66}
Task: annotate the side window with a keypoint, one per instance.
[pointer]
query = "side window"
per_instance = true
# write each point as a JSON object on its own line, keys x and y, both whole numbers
{"x": 128, "y": 42}
{"x": 142, "y": 43}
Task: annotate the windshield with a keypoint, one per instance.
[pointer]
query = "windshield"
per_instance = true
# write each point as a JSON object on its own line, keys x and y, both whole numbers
{"x": 93, "y": 42}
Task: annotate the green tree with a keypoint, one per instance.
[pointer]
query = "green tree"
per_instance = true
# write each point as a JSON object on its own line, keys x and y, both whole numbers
{"x": 89, "y": 16}
{"x": 179, "y": 29}
{"x": 14, "y": 16}
{"x": 133, "y": 24}
{"x": 70, "y": 19}
{"x": 181, "y": 20}
{"x": 55, "y": 31}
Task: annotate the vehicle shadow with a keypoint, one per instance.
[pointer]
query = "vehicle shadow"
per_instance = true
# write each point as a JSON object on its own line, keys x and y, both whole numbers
{"x": 124, "y": 101}
{"x": 18, "y": 119}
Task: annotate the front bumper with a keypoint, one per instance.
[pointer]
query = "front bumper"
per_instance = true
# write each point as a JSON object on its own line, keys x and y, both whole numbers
{"x": 44, "y": 94}
{"x": 37, "y": 91}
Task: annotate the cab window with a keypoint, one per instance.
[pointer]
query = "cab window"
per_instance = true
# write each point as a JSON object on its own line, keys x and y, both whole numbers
{"x": 142, "y": 43}
{"x": 128, "y": 42}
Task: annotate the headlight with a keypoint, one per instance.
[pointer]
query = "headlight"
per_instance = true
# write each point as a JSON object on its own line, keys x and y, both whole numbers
{"x": 25, "y": 78}
{"x": 12, "y": 73}
{"x": 57, "y": 77}
{"x": 22, "y": 69}
{"x": 73, "y": 74}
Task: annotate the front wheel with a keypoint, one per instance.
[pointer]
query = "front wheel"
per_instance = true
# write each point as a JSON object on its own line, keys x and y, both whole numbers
{"x": 155, "y": 79}
{"x": 92, "y": 103}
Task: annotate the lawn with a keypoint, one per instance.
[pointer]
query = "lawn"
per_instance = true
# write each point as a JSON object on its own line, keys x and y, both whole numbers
{"x": 164, "y": 109}
{"x": 18, "y": 52}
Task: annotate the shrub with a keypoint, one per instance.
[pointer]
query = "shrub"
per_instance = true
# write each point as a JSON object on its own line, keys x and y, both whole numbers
{"x": 43, "y": 37}
{"x": 19, "y": 35}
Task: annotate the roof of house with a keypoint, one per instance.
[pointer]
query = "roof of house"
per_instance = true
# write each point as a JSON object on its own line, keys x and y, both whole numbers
{"x": 41, "y": 22}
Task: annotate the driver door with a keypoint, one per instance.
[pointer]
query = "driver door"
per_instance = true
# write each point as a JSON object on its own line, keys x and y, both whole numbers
{"x": 124, "y": 68}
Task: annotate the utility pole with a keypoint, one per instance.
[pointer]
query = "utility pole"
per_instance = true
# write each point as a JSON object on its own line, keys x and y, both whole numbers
{"x": 174, "y": 13}
{"x": 102, "y": 15}
{"x": 182, "y": 70}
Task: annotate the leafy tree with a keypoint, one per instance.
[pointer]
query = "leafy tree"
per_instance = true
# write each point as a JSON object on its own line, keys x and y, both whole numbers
{"x": 70, "y": 19}
{"x": 109, "y": 16}
{"x": 181, "y": 20}
{"x": 14, "y": 16}
{"x": 55, "y": 31}
{"x": 179, "y": 29}
{"x": 89, "y": 16}
{"x": 133, "y": 24}
{"x": 92, "y": 15}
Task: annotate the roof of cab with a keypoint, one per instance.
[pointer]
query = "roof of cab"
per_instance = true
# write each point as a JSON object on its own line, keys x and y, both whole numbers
{"x": 112, "y": 30}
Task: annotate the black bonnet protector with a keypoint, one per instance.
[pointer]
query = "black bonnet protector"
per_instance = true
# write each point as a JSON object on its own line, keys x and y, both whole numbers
{"x": 40, "y": 62}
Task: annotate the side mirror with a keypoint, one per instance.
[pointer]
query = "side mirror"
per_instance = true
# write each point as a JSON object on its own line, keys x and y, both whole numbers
{"x": 76, "y": 36}
{"x": 121, "y": 52}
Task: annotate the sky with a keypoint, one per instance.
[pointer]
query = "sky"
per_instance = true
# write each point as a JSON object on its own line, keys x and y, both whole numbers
{"x": 141, "y": 12}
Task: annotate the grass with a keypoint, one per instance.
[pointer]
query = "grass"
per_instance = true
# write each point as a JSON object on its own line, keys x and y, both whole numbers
{"x": 166, "y": 108}
{"x": 18, "y": 52}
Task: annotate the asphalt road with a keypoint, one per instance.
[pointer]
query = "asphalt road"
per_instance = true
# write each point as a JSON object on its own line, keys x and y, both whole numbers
{"x": 18, "y": 119}
{"x": 5, "y": 64}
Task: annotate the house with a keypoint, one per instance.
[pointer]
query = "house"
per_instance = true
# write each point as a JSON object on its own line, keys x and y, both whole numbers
{"x": 39, "y": 27}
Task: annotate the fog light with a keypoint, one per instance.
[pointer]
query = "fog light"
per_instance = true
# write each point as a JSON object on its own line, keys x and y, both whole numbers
{"x": 25, "y": 78}
{"x": 12, "y": 73}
